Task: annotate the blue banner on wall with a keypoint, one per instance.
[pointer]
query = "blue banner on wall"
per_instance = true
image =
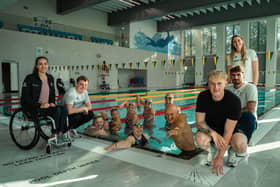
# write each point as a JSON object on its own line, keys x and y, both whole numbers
{"x": 160, "y": 42}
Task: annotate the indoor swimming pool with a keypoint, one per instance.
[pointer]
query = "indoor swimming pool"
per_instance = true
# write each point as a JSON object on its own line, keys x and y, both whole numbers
{"x": 184, "y": 98}
{"x": 87, "y": 155}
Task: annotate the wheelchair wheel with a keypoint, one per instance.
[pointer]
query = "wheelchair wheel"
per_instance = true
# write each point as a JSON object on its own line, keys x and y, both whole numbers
{"x": 45, "y": 127}
{"x": 23, "y": 131}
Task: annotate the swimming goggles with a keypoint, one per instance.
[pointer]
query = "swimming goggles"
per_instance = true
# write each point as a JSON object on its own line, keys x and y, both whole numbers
{"x": 148, "y": 101}
{"x": 138, "y": 124}
{"x": 169, "y": 97}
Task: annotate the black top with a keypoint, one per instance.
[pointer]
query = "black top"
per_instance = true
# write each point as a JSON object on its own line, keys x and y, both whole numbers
{"x": 139, "y": 143}
{"x": 60, "y": 86}
{"x": 31, "y": 90}
{"x": 218, "y": 111}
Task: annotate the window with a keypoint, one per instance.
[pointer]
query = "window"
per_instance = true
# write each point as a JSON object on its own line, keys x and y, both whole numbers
{"x": 231, "y": 30}
{"x": 209, "y": 37}
{"x": 278, "y": 35}
{"x": 258, "y": 36}
{"x": 189, "y": 47}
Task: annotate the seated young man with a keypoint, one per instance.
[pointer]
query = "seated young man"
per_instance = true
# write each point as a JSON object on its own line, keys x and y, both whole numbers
{"x": 78, "y": 104}
{"x": 247, "y": 124}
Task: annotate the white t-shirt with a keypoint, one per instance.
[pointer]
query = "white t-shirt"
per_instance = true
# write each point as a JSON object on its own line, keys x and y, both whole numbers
{"x": 74, "y": 98}
{"x": 251, "y": 55}
{"x": 247, "y": 92}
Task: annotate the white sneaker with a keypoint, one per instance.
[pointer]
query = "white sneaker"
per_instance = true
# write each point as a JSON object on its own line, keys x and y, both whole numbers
{"x": 245, "y": 154}
{"x": 232, "y": 160}
{"x": 74, "y": 134}
{"x": 211, "y": 155}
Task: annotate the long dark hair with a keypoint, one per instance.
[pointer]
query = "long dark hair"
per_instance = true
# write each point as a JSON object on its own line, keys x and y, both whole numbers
{"x": 35, "y": 70}
{"x": 233, "y": 50}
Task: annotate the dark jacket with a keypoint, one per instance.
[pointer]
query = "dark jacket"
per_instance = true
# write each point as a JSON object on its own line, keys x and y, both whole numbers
{"x": 31, "y": 89}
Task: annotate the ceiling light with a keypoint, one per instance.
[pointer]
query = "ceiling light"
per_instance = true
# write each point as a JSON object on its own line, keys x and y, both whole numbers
{"x": 135, "y": 2}
{"x": 128, "y": 3}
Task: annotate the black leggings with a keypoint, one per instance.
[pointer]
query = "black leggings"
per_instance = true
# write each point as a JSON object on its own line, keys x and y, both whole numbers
{"x": 59, "y": 114}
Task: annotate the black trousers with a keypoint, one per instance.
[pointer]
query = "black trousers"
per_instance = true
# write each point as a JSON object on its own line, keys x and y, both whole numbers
{"x": 59, "y": 114}
{"x": 76, "y": 120}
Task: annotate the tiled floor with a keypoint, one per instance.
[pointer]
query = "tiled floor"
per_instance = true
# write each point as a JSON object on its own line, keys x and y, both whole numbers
{"x": 86, "y": 164}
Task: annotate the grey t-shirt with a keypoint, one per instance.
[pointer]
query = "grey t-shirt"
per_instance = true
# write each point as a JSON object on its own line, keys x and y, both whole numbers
{"x": 247, "y": 92}
{"x": 74, "y": 98}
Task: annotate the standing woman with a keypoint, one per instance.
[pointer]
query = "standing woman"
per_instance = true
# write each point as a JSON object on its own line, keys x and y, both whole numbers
{"x": 38, "y": 96}
{"x": 247, "y": 58}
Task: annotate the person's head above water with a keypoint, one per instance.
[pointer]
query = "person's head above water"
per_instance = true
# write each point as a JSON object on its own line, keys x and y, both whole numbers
{"x": 171, "y": 113}
{"x": 169, "y": 98}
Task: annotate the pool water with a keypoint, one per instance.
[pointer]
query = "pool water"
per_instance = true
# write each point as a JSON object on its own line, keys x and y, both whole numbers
{"x": 185, "y": 98}
{"x": 182, "y": 97}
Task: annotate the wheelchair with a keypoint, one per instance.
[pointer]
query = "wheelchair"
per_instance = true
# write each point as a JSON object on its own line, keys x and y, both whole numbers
{"x": 26, "y": 131}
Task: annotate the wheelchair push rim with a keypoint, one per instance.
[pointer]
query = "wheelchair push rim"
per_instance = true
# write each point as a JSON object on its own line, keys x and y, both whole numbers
{"x": 23, "y": 131}
{"x": 46, "y": 129}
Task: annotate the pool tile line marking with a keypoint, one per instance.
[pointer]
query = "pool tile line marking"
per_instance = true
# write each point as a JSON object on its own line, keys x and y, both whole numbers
{"x": 185, "y": 169}
{"x": 32, "y": 159}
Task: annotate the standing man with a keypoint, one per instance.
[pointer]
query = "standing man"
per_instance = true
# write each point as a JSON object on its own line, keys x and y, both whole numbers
{"x": 78, "y": 103}
{"x": 247, "y": 124}
{"x": 217, "y": 113}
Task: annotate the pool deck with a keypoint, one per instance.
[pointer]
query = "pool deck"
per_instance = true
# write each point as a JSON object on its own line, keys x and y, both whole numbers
{"x": 86, "y": 163}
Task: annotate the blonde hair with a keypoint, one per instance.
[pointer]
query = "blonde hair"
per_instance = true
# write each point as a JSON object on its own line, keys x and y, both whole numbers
{"x": 217, "y": 74}
{"x": 233, "y": 50}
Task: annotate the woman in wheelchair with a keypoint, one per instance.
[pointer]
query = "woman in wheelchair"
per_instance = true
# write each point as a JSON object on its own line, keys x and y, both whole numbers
{"x": 38, "y": 98}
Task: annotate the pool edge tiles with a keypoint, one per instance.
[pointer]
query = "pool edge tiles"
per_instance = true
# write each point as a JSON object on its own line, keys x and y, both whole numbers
{"x": 190, "y": 170}
{"x": 265, "y": 124}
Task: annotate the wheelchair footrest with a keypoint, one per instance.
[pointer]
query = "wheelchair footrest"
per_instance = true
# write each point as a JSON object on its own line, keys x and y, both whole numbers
{"x": 60, "y": 140}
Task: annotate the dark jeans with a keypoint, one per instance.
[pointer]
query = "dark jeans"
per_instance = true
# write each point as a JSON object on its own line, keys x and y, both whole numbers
{"x": 59, "y": 114}
{"x": 246, "y": 125}
{"x": 76, "y": 120}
